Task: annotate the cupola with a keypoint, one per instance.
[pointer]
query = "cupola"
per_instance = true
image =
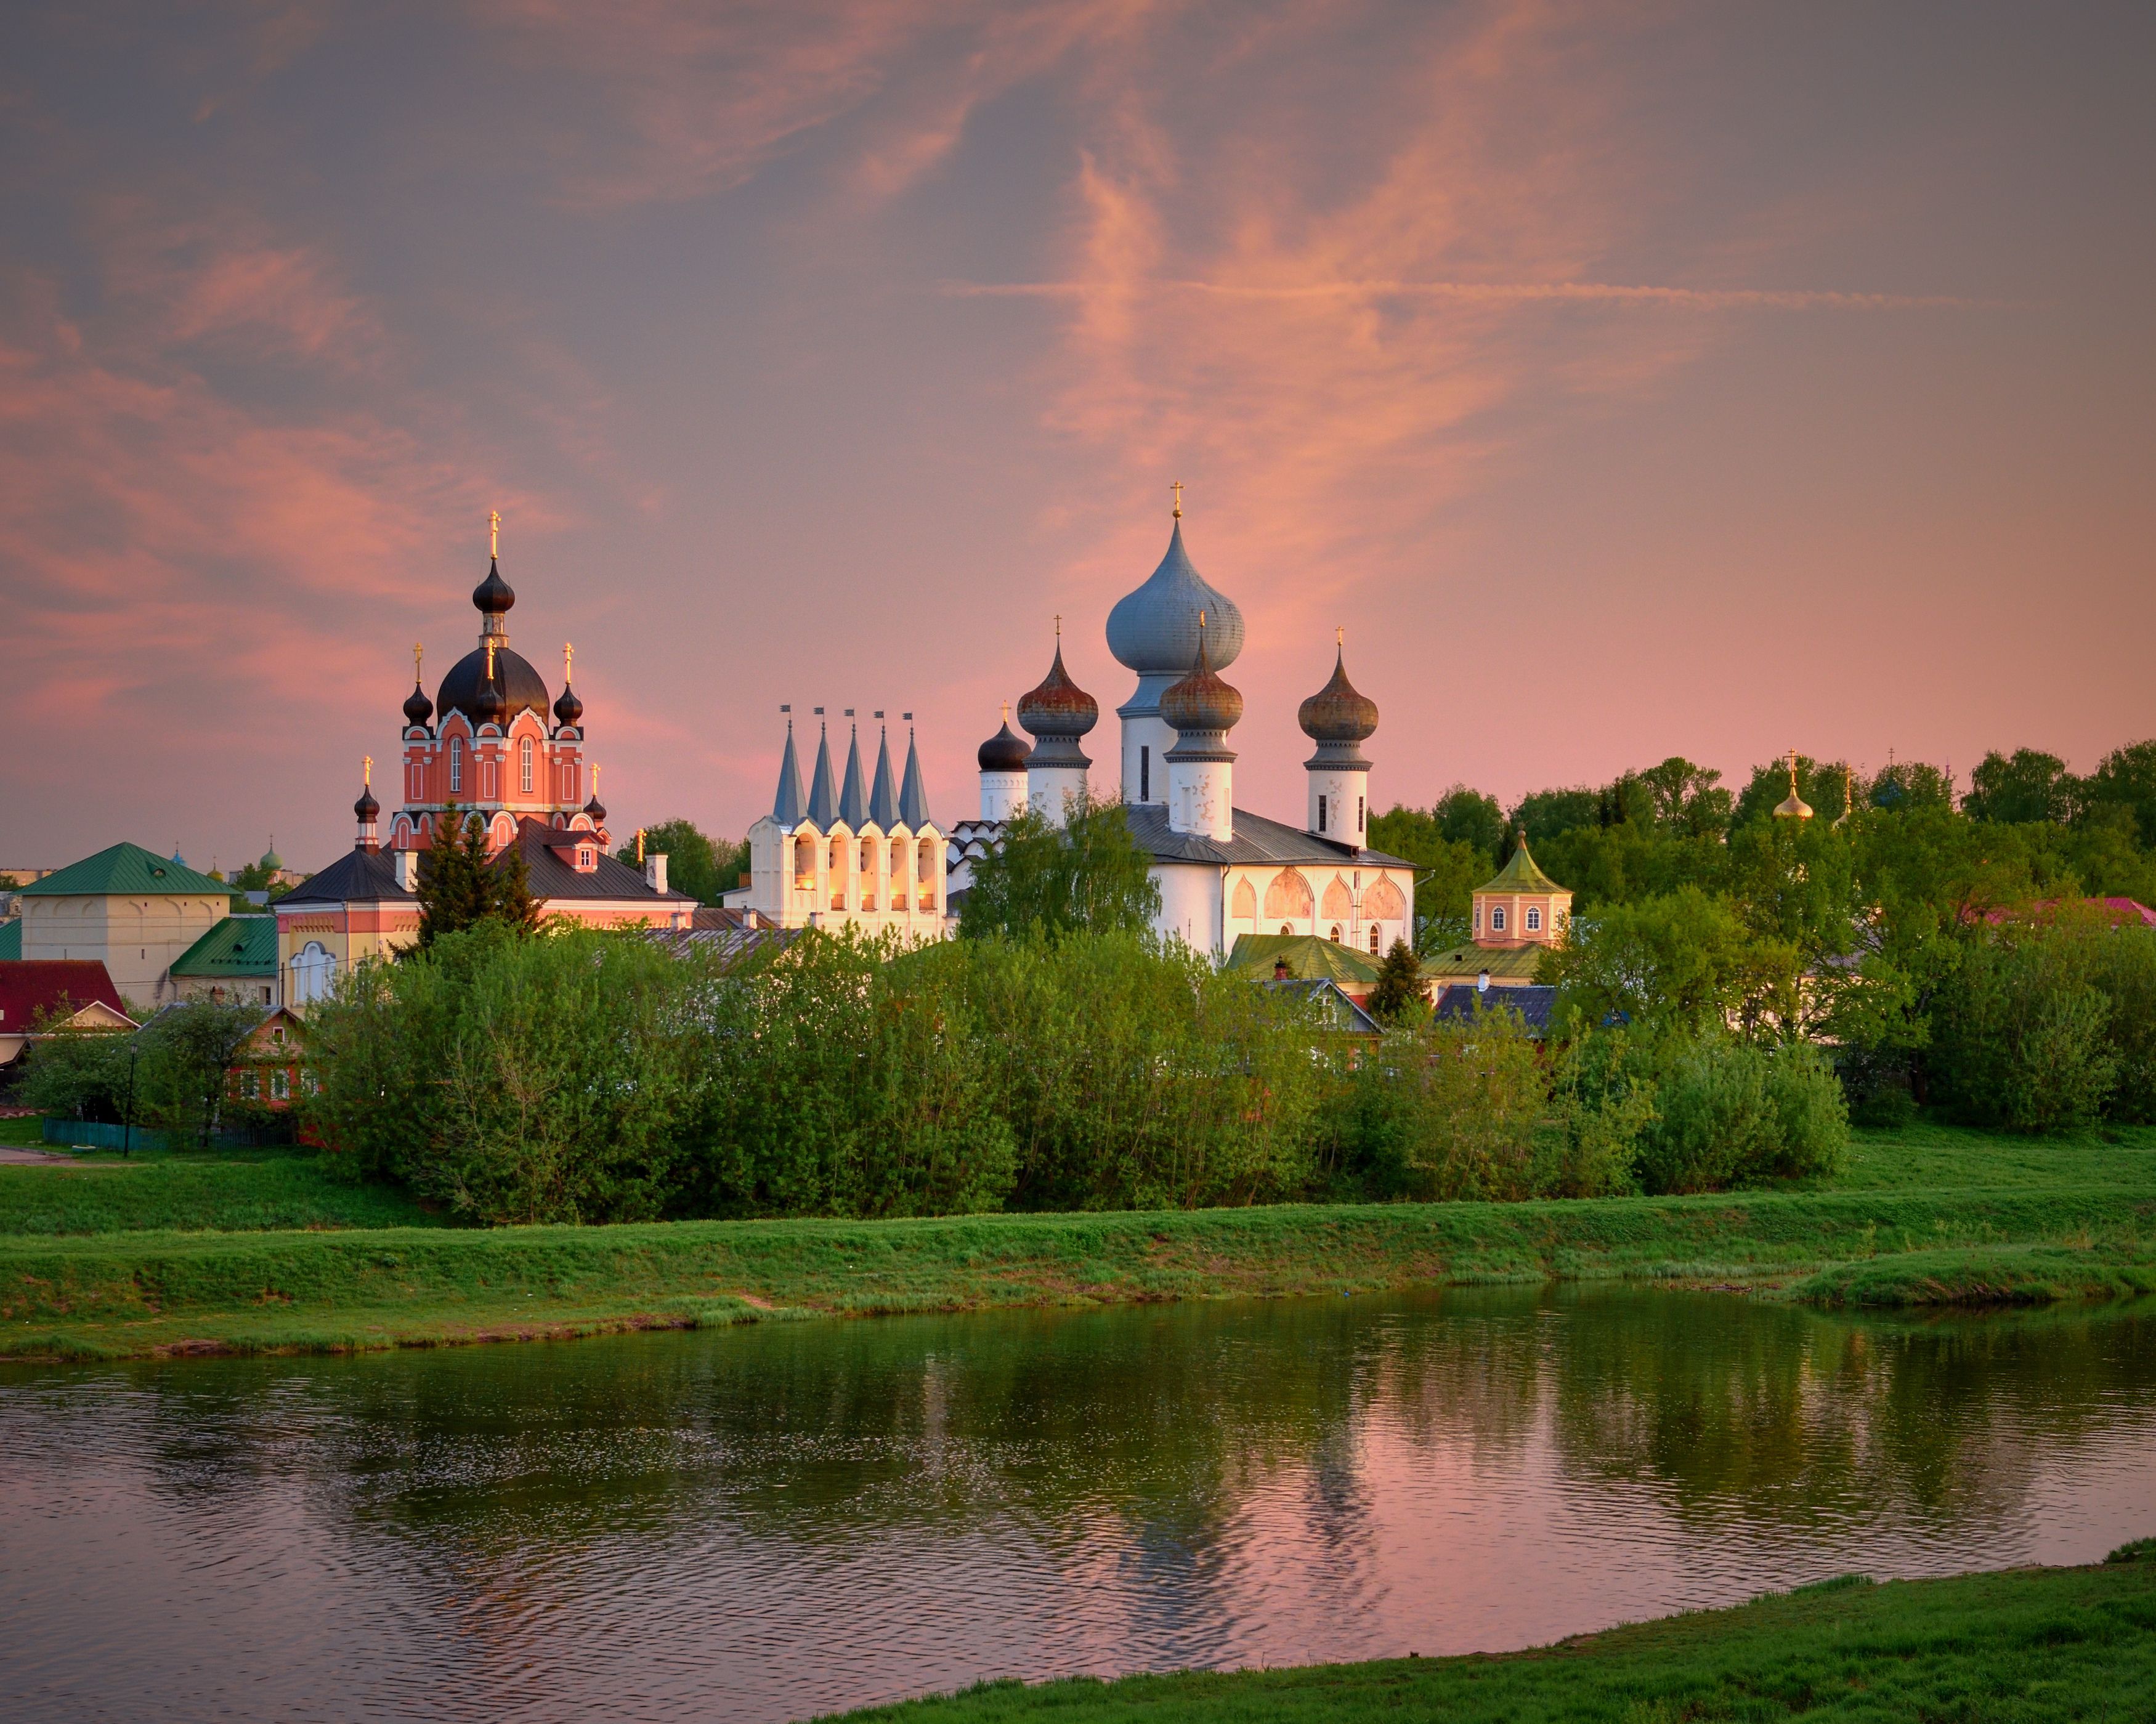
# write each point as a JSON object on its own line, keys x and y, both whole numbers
{"x": 569, "y": 710}
{"x": 1006, "y": 751}
{"x": 1339, "y": 719}
{"x": 1201, "y": 704}
{"x": 418, "y": 708}
{"x": 1339, "y": 713}
{"x": 1058, "y": 713}
{"x": 1793, "y": 806}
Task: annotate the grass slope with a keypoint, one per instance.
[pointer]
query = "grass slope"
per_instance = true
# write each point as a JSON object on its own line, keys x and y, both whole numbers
{"x": 2030, "y": 1645}
{"x": 183, "y": 1193}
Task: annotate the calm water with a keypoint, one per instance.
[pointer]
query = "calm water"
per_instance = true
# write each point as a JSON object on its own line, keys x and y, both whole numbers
{"x": 768, "y": 1523}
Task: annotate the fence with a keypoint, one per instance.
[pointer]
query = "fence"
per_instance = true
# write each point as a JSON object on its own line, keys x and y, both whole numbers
{"x": 93, "y": 1134}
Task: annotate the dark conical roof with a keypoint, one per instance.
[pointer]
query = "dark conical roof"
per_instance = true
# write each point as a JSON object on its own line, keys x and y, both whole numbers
{"x": 1338, "y": 712}
{"x": 1005, "y": 753}
{"x": 418, "y": 708}
{"x": 823, "y": 794}
{"x": 852, "y": 793}
{"x": 493, "y": 596}
{"x": 786, "y": 807}
{"x": 913, "y": 793}
{"x": 883, "y": 792}
{"x": 1059, "y": 707}
{"x": 1201, "y": 701}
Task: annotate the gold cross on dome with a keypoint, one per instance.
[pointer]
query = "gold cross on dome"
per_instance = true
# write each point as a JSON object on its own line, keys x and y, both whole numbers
{"x": 367, "y": 769}
{"x": 568, "y": 658}
{"x": 494, "y": 532}
{"x": 419, "y": 653}
{"x": 490, "y": 658}
{"x": 1177, "y": 487}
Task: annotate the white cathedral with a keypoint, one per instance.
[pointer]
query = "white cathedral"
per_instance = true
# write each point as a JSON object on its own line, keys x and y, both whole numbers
{"x": 877, "y": 859}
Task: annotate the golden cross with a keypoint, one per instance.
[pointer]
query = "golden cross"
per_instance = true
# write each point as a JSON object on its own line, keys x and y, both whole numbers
{"x": 494, "y": 532}
{"x": 568, "y": 658}
{"x": 595, "y": 780}
{"x": 1340, "y": 639}
{"x": 639, "y": 846}
{"x": 490, "y": 658}
{"x": 1793, "y": 772}
{"x": 1177, "y": 487}
{"x": 367, "y": 769}
{"x": 1059, "y": 626}
{"x": 419, "y": 652}
{"x": 1006, "y": 712}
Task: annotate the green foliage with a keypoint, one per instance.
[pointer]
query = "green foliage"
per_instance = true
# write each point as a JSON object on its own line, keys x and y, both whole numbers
{"x": 459, "y": 888}
{"x": 1544, "y": 816}
{"x": 2126, "y": 779}
{"x": 2027, "y": 785}
{"x": 178, "y": 1060}
{"x": 1730, "y": 1113}
{"x": 1686, "y": 800}
{"x": 1470, "y": 818}
{"x": 1447, "y": 870}
{"x": 696, "y": 863}
{"x": 1088, "y": 873}
{"x": 1681, "y": 961}
{"x": 1399, "y": 988}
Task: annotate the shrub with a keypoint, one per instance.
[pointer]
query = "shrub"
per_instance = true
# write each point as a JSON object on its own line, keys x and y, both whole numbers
{"x": 1730, "y": 1113}
{"x": 2022, "y": 1036}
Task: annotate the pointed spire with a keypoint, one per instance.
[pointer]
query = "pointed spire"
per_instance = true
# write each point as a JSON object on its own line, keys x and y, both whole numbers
{"x": 785, "y": 806}
{"x": 852, "y": 793}
{"x": 883, "y": 796}
{"x": 823, "y": 794}
{"x": 913, "y": 795}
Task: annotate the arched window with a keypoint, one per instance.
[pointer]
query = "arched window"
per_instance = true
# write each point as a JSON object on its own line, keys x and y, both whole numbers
{"x": 1333, "y": 935}
{"x": 926, "y": 875}
{"x": 1375, "y": 931}
{"x": 868, "y": 874}
{"x": 838, "y": 873}
{"x": 804, "y": 860}
{"x": 312, "y": 967}
{"x": 1534, "y": 918}
{"x": 524, "y": 766}
{"x": 897, "y": 873}
{"x": 1285, "y": 929}
{"x": 456, "y": 764}
{"x": 1497, "y": 918}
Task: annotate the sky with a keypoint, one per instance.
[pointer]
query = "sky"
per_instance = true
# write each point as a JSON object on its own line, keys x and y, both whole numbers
{"x": 1624, "y": 382}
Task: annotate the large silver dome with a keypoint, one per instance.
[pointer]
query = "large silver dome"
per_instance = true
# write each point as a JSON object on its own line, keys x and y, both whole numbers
{"x": 1154, "y": 630}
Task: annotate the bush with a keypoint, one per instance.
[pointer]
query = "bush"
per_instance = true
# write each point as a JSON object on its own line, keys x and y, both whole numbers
{"x": 1730, "y": 1113}
{"x": 2022, "y": 1036}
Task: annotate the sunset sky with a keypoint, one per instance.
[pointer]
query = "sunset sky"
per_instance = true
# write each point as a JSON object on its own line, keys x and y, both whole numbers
{"x": 1625, "y": 380}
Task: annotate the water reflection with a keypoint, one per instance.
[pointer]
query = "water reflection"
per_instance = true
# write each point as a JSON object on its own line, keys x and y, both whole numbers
{"x": 770, "y": 1522}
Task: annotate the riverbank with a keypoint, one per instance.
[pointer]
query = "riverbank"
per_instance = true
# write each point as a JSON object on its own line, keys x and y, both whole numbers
{"x": 2030, "y": 1644}
{"x": 114, "y": 1295}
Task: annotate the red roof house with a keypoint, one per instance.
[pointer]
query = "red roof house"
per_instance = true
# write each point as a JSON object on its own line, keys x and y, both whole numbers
{"x": 39, "y": 993}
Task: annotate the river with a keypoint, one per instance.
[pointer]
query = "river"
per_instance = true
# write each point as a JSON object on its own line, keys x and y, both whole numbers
{"x": 770, "y": 1522}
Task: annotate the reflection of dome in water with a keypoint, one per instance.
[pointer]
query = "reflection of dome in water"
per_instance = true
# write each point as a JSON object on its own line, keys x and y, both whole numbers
{"x": 1154, "y": 630}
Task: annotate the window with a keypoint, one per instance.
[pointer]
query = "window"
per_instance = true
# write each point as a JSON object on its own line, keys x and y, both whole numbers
{"x": 280, "y": 1084}
{"x": 1534, "y": 919}
{"x": 1321, "y": 816}
{"x": 1285, "y": 929}
{"x": 1144, "y": 773}
{"x": 456, "y": 764}
{"x": 524, "y": 766}
{"x": 250, "y": 1086}
{"x": 804, "y": 860}
{"x": 1497, "y": 918}
{"x": 277, "y": 1036}
{"x": 1360, "y": 817}
{"x": 926, "y": 872}
{"x": 1334, "y": 936}
{"x": 1375, "y": 931}
{"x": 868, "y": 874}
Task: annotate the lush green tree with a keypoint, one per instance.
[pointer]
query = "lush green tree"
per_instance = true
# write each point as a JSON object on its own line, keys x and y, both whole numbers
{"x": 1688, "y": 800}
{"x": 1819, "y": 782}
{"x": 1447, "y": 871}
{"x": 175, "y": 1066}
{"x": 1087, "y": 874}
{"x": 1683, "y": 962}
{"x": 1470, "y": 818}
{"x": 2019, "y": 1033}
{"x": 461, "y": 886}
{"x": 1730, "y": 1113}
{"x": 2126, "y": 778}
{"x": 696, "y": 863}
{"x": 2027, "y": 785}
{"x": 1544, "y": 816}
{"x": 1398, "y": 988}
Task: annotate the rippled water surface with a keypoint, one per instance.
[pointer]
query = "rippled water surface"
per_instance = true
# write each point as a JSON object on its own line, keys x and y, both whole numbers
{"x": 768, "y": 1523}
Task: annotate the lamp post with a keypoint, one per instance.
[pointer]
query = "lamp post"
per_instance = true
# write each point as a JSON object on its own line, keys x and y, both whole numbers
{"x": 127, "y": 1127}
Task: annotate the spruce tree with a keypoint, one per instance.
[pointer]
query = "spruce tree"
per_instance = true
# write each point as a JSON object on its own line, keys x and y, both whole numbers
{"x": 457, "y": 888}
{"x": 1399, "y": 987}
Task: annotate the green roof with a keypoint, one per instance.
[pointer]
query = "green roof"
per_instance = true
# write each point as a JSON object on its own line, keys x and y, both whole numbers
{"x": 1309, "y": 958}
{"x": 10, "y": 939}
{"x": 1520, "y": 875}
{"x": 126, "y": 871}
{"x": 237, "y": 945}
{"x": 1470, "y": 960}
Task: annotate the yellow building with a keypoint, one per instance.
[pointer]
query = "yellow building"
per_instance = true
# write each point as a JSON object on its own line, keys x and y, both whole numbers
{"x": 1518, "y": 913}
{"x": 128, "y": 908}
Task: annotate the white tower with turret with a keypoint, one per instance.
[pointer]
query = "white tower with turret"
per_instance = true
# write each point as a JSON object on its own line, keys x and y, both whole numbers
{"x": 1058, "y": 713}
{"x": 1339, "y": 720}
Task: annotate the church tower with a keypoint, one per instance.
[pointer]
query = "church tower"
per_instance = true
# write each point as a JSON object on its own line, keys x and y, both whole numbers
{"x": 1201, "y": 767}
{"x": 1002, "y": 760}
{"x": 1154, "y": 632}
{"x": 1339, "y": 720}
{"x": 1058, "y": 713}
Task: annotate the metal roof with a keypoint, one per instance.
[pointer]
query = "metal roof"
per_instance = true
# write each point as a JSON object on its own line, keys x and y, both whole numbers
{"x": 1341, "y": 1014}
{"x": 787, "y": 805}
{"x": 1521, "y": 874}
{"x": 883, "y": 797}
{"x": 1463, "y": 1000}
{"x": 1521, "y": 961}
{"x": 357, "y": 877}
{"x": 1256, "y": 840}
{"x": 823, "y": 794}
{"x": 44, "y": 985}
{"x": 11, "y": 940}
{"x": 125, "y": 870}
{"x": 852, "y": 793}
{"x": 1308, "y": 958}
{"x": 237, "y": 945}
{"x": 913, "y": 795}
{"x": 549, "y": 877}
{"x": 1153, "y": 630}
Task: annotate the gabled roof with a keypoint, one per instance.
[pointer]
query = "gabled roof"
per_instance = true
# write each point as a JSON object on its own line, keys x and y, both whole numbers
{"x": 1507, "y": 961}
{"x": 1463, "y": 1000}
{"x": 237, "y": 945}
{"x": 357, "y": 877}
{"x": 1308, "y": 957}
{"x": 11, "y": 940}
{"x": 1256, "y": 840}
{"x": 1341, "y": 1012}
{"x": 29, "y": 989}
{"x": 1520, "y": 875}
{"x": 548, "y": 877}
{"x": 125, "y": 870}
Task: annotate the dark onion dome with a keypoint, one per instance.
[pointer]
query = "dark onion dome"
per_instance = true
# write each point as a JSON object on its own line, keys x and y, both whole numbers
{"x": 367, "y": 808}
{"x": 1337, "y": 713}
{"x": 1201, "y": 702}
{"x": 493, "y": 697}
{"x": 1059, "y": 707}
{"x": 568, "y": 708}
{"x": 595, "y": 809}
{"x": 1154, "y": 630}
{"x": 494, "y": 595}
{"x": 418, "y": 708}
{"x": 1004, "y": 751}
{"x": 517, "y": 684}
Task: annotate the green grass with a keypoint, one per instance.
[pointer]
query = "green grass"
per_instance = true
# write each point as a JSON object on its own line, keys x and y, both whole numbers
{"x": 27, "y": 1133}
{"x": 259, "y": 1251}
{"x": 2023, "y": 1647}
{"x": 187, "y": 1193}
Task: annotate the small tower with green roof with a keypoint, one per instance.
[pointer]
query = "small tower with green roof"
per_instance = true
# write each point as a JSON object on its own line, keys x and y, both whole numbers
{"x": 1520, "y": 906}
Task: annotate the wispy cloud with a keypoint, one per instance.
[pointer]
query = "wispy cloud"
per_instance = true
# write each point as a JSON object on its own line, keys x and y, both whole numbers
{"x": 1696, "y": 298}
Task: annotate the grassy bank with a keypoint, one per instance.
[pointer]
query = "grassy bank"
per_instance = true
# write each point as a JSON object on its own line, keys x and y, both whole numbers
{"x": 285, "y": 1259}
{"x": 2029, "y": 1644}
